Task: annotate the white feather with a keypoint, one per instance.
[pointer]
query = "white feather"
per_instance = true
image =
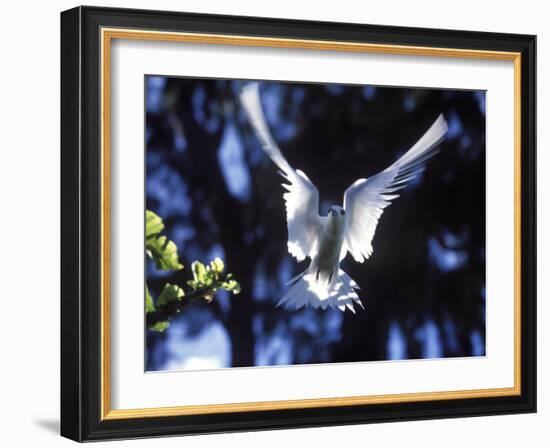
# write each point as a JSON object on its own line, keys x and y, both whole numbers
{"x": 307, "y": 290}
{"x": 366, "y": 199}
{"x": 301, "y": 198}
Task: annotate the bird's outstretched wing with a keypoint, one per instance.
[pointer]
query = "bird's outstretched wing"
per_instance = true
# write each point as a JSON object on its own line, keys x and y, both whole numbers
{"x": 366, "y": 199}
{"x": 301, "y": 198}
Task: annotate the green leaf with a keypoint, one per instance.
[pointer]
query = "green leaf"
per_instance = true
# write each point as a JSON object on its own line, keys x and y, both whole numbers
{"x": 160, "y": 326}
{"x": 164, "y": 252}
{"x": 153, "y": 224}
{"x": 217, "y": 265}
{"x": 149, "y": 304}
{"x": 211, "y": 277}
{"x": 169, "y": 293}
{"x": 232, "y": 286}
{"x": 199, "y": 273}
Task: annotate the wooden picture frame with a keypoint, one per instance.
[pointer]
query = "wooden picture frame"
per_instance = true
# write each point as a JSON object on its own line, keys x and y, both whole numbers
{"x": 86, "y": 36}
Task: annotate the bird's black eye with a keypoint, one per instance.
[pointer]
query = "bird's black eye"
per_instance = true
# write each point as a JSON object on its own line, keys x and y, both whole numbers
{"x": 342, "y": 212}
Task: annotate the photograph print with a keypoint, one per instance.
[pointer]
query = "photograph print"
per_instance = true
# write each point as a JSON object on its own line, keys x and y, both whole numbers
{"x": 296, "y": 223}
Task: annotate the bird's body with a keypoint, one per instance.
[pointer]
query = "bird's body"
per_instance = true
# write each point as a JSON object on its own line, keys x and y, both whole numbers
{"x": 349, "y": 229}
{"x": 331, "y": 239}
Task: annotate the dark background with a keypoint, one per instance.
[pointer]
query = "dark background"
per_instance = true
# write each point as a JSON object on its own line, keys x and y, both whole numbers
{"x": 219, "y": 195}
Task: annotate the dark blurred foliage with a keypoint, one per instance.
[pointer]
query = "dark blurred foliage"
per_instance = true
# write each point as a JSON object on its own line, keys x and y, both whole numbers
{"x": 219, "y": 195}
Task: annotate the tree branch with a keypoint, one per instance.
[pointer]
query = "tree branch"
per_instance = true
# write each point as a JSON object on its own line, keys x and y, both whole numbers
{"x": 170, "y": 309}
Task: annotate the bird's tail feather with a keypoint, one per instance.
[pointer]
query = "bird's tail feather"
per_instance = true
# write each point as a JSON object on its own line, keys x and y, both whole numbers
{"x": 310, "y": 289}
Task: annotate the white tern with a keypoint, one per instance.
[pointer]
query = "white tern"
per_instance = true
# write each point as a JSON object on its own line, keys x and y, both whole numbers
{"x": 327, "y": 239}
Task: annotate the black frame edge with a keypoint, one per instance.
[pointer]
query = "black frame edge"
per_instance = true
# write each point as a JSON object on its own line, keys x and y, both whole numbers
{"x": 80, "y": 204}
{"x": 529, "y": 223}
{"x": 71, "y": 383}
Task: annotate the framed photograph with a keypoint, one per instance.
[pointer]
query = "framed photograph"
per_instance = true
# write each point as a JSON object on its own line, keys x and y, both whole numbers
{"x": 275, "y": 224}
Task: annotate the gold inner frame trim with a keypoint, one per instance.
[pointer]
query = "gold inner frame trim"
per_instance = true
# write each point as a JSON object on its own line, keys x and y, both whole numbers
{"x": 107, "y": 35}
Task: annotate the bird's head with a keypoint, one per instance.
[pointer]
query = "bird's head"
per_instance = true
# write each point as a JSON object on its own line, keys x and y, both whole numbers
{"x": 336, "y": 212}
